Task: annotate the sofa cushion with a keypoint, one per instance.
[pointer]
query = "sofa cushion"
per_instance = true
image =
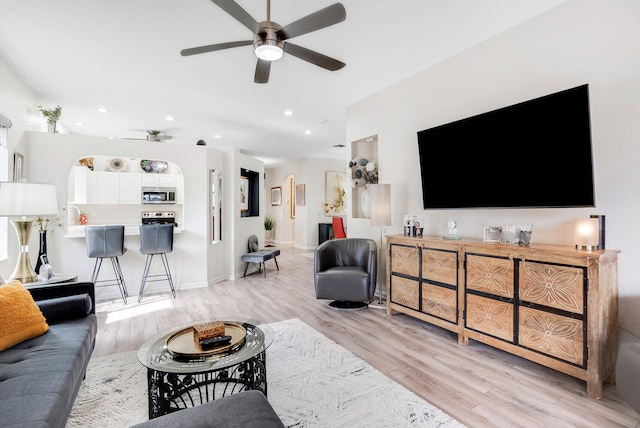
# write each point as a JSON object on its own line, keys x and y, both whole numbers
{"x": 66, "y": 308}
{"x": 40, "y": 377}
{"x": 20, "y": 318}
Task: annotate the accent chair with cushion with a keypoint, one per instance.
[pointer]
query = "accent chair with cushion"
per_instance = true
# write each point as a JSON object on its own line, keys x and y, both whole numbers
{"x": 345, "y": 272}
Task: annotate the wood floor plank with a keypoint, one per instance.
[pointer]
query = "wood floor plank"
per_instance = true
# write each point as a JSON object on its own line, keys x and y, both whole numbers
{"x": 478, "y": 385}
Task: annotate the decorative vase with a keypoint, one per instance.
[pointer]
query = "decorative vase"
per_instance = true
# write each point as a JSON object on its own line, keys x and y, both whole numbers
{"x": 364, "y": 202}
{"x": 42, "y": 253}
{"x": 52, "y": 127}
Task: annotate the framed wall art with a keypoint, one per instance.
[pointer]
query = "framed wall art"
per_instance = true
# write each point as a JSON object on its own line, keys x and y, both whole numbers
{"x": 292, "y": 197}
{"x": 244, "y": 194}
{"x": 336, "y": 193}
{"x": 300, "y": 195}
{"x": 276, "y": 196}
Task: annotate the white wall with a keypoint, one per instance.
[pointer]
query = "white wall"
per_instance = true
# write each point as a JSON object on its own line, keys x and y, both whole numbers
{"x": 581, "y": 41}
{"x": 244, "y": 227}
{"x": 19, "y": 104}
{"x": 311, "y": 172}
{"x": 194, "y": 262}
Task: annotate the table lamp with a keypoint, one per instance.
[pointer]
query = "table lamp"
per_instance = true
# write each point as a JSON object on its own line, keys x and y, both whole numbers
{"x": 585, "y": 233}
{"x": 22, "y": 201}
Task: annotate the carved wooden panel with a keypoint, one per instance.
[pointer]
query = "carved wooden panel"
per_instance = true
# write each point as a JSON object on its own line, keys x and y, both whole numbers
{"x": 560, "y": 287}
{"x": 404, "y": 260}
{"x": 490, "y": 275}
{"x": 490, "y": 316}
{"x": 405, "y": 292}
{"x": 552, "y": 334}
{"x": 439, "y": 302}
{"x": 440, "y": 266}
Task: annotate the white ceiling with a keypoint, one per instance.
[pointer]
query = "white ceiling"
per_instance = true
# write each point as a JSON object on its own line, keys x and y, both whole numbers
{"x": 124, "y": 55}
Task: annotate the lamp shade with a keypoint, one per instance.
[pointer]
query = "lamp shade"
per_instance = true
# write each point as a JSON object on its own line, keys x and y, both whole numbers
{"x": 585, "y": 233}
{"x": 380, "y": 204}
{"x": 27, "y": 199}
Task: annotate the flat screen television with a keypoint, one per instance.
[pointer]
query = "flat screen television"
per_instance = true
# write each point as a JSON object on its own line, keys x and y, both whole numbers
{"x": 535, "y": 154}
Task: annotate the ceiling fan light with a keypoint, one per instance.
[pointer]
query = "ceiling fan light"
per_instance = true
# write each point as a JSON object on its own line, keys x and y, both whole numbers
{"x": 269, "y": 52}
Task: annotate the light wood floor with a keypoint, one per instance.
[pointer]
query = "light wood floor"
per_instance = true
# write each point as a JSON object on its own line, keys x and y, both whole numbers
{"x": 478, "y": 385}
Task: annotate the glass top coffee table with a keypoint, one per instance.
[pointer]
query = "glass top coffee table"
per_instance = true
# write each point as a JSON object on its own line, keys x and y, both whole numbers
{"x": 178, "y": 380}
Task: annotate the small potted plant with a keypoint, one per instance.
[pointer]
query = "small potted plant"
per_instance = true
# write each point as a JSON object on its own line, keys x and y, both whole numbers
{"x": 268, "y": 226}
{"x": 52, "y": 116}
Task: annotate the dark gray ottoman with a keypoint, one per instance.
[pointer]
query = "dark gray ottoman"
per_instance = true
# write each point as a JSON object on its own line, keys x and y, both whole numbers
{"x": 248, "y": 409}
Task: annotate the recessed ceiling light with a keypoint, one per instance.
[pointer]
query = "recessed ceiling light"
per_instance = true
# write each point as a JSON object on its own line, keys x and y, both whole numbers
{"x": 288, "y": 113}
{"x": 102, "y": 110}
{"x": 169, "y": 118}
{"x": 307, "y": 132}
{"x": 79, "y": 124}
{"x": 217, "y": 136}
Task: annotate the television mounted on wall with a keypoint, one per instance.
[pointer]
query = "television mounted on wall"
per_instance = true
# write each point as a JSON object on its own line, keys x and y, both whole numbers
{"x": 534, "y": 154}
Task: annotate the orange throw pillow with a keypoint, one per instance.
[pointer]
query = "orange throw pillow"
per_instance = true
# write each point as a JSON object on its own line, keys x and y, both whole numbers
{"x": 20, "y": 317}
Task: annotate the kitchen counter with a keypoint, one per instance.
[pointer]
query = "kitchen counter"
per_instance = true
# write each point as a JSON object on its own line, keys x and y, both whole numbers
{"x": 129, "y": 230}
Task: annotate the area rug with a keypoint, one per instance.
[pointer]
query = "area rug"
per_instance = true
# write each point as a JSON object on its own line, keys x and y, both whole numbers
{"x": 312, "y": 382}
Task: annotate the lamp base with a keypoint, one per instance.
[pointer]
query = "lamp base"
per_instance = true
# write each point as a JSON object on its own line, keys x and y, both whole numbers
{"x": 24, "y": 271}
{"x": 586, "y": 247}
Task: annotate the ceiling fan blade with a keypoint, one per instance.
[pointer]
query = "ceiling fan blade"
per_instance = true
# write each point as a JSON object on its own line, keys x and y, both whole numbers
{"x": 313, "y": 57}
{"x": 317, "y": 20}
{"x": 241, "y": 15}
{"x": 262, "y": 71}
{"x": 216, "y": 47}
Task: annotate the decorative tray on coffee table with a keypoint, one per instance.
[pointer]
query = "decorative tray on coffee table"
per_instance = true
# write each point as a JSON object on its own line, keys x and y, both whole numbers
{"x": 182, "y": 345}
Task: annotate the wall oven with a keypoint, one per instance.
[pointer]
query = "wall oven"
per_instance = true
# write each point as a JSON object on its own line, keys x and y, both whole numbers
{"x": 158, "y": 195}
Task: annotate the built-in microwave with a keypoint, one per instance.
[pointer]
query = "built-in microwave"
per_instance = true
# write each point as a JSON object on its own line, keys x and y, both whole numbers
{"x": 158, "y": 195}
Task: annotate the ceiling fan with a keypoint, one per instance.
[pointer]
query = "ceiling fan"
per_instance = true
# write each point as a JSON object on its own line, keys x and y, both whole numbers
{"x": 153, "y": 135}
{"x": 269, "y": 38}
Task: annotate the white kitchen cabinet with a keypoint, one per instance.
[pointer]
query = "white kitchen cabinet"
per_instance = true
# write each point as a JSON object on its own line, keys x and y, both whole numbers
{"x": 107, "y": 187}
{"x": 130, "y": 188}
{"x": 83, "y": 186}
{"x": 158, "y": 180}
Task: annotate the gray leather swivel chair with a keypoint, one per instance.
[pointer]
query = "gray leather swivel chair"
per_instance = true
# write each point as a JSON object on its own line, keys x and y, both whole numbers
{"x": 156, "y": 239}
{"x": 345, "y": 272}
{"x": 107, "y": 242}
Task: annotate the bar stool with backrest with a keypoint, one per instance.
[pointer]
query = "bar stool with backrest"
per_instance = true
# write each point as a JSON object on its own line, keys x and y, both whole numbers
{"x": 156, "y": 239}
{"x": 107, "y": 242}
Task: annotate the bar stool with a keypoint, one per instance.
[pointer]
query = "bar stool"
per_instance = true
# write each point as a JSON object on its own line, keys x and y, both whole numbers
{"x": 156, "y": 239}
{"x": 107, "y": 242}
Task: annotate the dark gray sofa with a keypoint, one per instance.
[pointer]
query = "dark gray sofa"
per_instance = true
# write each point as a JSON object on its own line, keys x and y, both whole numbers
{"x": 40, "y": 377}
{"x": 248, "y": 409}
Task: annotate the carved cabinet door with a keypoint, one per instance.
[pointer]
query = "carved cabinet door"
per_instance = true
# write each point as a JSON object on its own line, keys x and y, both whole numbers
{"x": 551, "y": 310}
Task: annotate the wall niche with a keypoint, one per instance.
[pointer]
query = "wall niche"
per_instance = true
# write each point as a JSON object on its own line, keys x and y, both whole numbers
{"x": 365, "y": 148}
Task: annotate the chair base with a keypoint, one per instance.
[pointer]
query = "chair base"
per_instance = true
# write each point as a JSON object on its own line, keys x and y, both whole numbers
{"x": 343, "y": 305}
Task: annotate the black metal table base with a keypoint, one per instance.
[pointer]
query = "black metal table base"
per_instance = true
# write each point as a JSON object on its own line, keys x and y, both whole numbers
{"x": 170, "y": 392}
